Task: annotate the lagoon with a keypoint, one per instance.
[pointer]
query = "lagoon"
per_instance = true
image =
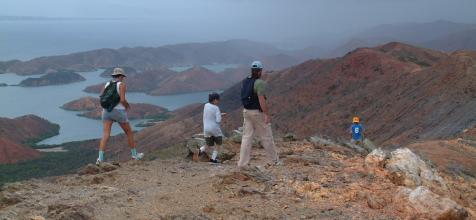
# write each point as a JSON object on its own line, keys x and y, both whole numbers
{"x": 46, "y": 102}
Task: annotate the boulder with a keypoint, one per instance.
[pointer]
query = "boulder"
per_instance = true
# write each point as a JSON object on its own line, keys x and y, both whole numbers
{"x": 421, "y": 202}
{"x": 289, "y": 137}
{"x": 237, "y": 135}
{"x": 194, "y": 144}
{"x": 407, "y": 169}
{"x": 376, "y": 159}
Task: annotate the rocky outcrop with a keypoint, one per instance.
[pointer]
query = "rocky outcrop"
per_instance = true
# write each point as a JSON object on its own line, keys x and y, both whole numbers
{"x": 422, "y": 203}
{"x": 407, "y": 169}
{"x": 91, "y": 108}
{"x": 376, "y": 159}
{"x": 56, "y": 78}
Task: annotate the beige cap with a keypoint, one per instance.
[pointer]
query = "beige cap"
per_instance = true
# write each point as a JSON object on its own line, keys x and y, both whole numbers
{"x": 118, "y": 71}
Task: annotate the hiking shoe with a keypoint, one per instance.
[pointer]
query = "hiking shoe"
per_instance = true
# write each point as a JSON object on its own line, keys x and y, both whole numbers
{"x": 139, "y": 156}
{"x": 98, "y": 162}
{"x": 279, "y": 163}
{"x": 214, "y": 161}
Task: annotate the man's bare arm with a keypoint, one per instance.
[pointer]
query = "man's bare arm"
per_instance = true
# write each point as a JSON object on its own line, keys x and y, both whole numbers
{"x": 264, "y": 107}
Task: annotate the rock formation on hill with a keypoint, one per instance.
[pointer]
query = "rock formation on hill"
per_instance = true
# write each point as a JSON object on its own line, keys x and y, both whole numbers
{"x": 56, "y": 78}
{"x": 90, "y": 108}
{"x": 16, "y": 133}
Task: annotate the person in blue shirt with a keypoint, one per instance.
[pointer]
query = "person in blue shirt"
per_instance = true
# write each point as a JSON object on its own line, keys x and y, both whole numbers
{"x": 357, "y": 131}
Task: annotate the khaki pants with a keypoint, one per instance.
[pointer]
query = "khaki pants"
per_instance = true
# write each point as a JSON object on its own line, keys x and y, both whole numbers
{"x": 254, "y": 124}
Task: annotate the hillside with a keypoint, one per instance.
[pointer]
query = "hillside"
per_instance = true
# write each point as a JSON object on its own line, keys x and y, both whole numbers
{"x": 317, "y": 181}
{"x": 167, "y": 82}
{"x": 147, "y": 58}
{"x": 17, "y": 133}
{"x": 404, "y": 94}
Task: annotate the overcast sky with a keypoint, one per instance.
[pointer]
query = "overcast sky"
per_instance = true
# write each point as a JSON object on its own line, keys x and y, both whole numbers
{"x": 264, "y": 20}
{"x": 255, "y": 14}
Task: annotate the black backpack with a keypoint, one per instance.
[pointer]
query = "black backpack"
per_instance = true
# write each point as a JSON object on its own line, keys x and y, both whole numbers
{"x": 249, "y": 98}
{"x": 110, "y": 98}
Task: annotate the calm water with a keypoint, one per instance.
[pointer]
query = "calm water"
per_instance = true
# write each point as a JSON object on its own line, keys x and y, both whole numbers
{"x": 46, "y": 101}
{"x": 215, "y": 67}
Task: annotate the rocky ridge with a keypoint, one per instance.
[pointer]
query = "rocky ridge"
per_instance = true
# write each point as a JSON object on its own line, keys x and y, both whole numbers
{"x": 320, "y": 179}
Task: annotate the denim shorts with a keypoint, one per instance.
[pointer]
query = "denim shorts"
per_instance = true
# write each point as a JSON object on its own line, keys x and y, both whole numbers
{"x": 116, "y": 115}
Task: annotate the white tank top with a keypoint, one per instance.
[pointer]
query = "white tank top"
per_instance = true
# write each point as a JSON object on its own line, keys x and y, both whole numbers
{"x": 118, "y": 106}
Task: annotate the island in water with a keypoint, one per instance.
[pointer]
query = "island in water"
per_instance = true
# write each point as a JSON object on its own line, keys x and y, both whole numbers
{"x": 56, "y": 78}
{"x": 91, "y": 108}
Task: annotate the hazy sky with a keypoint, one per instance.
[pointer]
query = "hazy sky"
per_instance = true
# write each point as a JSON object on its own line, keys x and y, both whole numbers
{"x": 264, "y": 20}
{"x": 249, "y": 15}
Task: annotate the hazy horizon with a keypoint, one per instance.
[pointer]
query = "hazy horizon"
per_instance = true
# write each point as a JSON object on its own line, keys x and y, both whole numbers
{"x": 284, "y": 23}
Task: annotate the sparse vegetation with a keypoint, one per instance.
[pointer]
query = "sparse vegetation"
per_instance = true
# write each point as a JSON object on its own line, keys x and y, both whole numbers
{"x": 51, "y": 164}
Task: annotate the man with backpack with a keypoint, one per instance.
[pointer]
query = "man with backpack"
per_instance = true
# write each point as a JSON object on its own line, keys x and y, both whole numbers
{"x": 114, "y": 103}
{"x": 256, "y": 117}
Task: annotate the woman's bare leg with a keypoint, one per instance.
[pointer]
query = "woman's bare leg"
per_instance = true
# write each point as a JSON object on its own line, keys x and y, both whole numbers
{"x": 107, "y": 124}
{"x": 130, "y": 135}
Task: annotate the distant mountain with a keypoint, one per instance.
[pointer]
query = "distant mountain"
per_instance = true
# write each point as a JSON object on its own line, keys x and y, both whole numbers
{"x": 147, "y": 58}
{"x": 463, "y": 40}
{"x": 438, "y": 35}
{"x": 166, "y": 82}
{"x": 16, "y": 133}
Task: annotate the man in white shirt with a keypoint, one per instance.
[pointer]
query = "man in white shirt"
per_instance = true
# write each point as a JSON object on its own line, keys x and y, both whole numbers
{"x": 211, "y": 126}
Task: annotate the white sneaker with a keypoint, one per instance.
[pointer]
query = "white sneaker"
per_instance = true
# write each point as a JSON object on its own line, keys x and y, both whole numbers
{"x": 139, "y": 156}
{"x": 98, "y": 162}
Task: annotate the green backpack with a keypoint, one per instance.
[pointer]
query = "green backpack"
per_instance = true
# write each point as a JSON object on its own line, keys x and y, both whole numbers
{"x": 110, "y": 98}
